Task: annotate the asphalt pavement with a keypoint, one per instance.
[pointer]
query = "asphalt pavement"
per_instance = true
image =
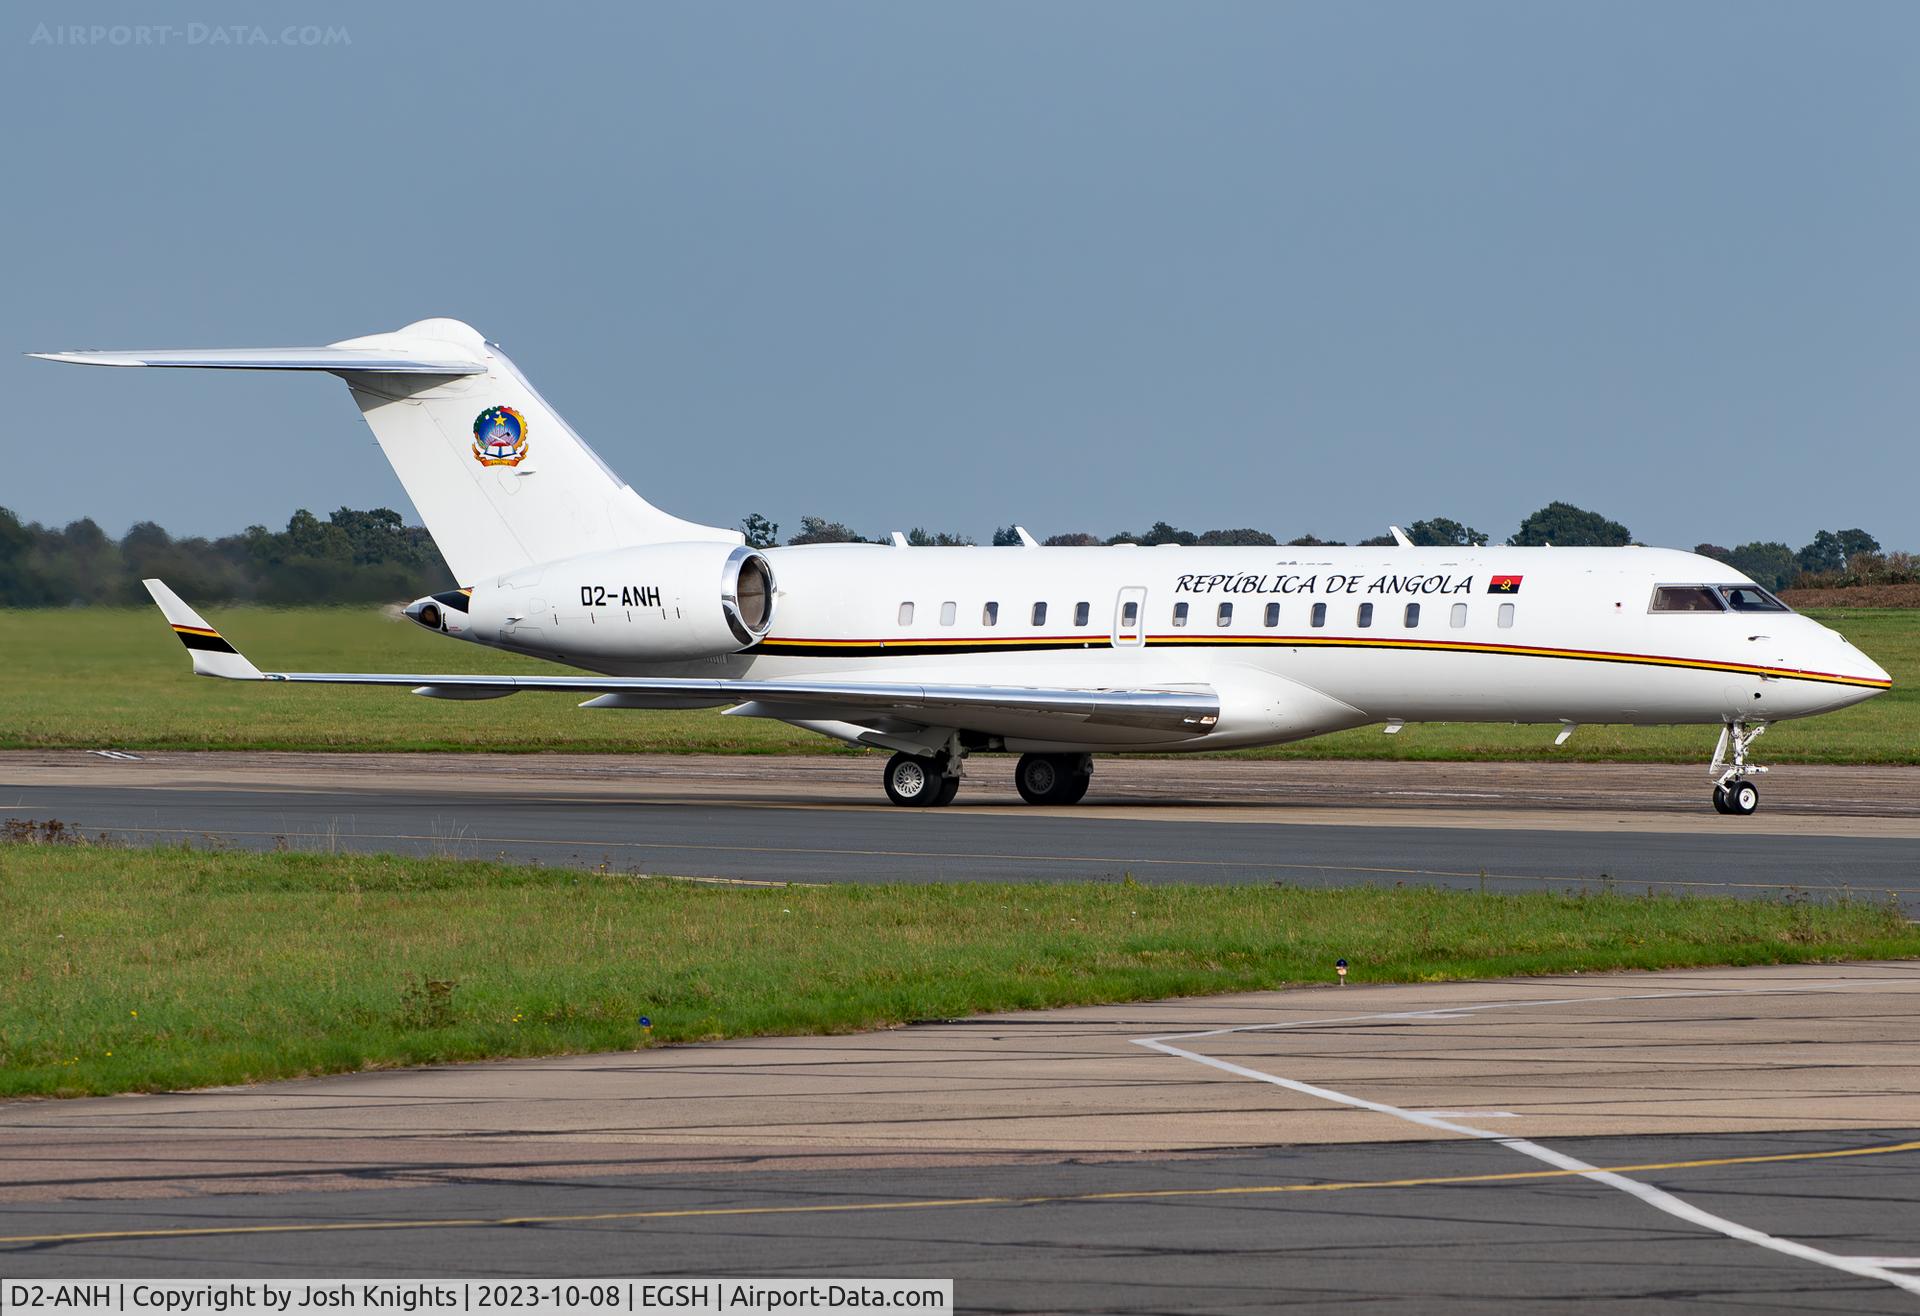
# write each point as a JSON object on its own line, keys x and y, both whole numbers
{"x": 818, "y": 821}
{"x": 1707, "y": 1140}
{"x": 1411, "y": 1226}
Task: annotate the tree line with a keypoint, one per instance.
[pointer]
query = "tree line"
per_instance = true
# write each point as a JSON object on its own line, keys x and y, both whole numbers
{"x": 351, "y": 557}
{"x": 1834, "y": 557}
{"x": 374, "y": 556}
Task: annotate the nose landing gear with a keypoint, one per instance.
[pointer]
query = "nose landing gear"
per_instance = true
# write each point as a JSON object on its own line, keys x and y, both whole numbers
{"x": 1732, "y": 792}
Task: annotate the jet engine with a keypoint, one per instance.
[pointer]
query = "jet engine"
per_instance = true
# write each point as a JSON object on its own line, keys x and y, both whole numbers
{"x": 653, "y": 603}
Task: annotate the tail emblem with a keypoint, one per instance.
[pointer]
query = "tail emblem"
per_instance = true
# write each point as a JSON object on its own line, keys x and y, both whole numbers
{"x": 499, "y": 437}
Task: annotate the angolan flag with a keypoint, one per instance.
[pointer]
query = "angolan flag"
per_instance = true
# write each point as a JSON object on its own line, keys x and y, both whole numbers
{"x": 1504, "y": 585}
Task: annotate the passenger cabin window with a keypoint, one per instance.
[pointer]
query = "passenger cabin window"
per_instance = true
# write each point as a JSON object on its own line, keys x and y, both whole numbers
{"x": 949, "y": 613}
{"x": 1130, "y": 613}
{"x": 1506, "y": 616}
{"x": 1224, "y": 617}
{"x": 906, "y": 614}
{"x": 1039, "y": 614}
{"x": 1179, "y": 614}
{"x": 1458, "y": 618}
{"x": 1365, "y": 617}
{"x": 1081, "y": 612}
{"x": 990, "y": 615}
{"x": 1319, "y": 614}
{"x": 1685, "y": 598}
{"x": 1750, "y": 598}
{"x": 1412, "y": 619}
{"x": 1273, "y": 614}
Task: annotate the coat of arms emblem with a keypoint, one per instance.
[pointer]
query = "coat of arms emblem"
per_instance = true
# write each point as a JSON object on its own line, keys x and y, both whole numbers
{"x": 499, "y": 437}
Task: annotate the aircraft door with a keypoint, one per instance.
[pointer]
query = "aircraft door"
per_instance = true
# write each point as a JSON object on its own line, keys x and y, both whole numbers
{"x": 1130, "y": 618}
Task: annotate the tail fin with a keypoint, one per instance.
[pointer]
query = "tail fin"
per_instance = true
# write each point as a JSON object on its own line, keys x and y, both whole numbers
{"x": 499, "y": 479}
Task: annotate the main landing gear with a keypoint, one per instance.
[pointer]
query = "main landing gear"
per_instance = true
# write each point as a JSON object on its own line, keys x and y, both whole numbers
{"x": 1053, "y": 778}
{"x": 922, "y": 782}
{"x": 928, "y": 781}
{"x": 1732, "y": 792}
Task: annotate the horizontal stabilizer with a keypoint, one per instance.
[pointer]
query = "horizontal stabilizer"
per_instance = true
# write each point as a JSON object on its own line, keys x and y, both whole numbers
{"x": 335, "y": 359}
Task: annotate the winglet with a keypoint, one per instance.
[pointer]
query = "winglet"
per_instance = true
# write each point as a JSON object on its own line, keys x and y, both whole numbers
{"x": 211, "y": 654}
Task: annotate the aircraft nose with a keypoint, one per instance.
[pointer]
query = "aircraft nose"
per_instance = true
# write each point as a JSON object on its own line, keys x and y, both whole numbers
{"x": 1851, "y": 663}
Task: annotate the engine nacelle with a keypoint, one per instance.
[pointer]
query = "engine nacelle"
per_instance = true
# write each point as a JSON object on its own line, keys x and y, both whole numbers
{"x": 651, "y": 603}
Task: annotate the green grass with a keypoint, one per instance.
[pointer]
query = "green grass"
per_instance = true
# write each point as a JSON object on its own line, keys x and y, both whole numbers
{"x": 139, "y": 970}
{"x": 115, "y": 677}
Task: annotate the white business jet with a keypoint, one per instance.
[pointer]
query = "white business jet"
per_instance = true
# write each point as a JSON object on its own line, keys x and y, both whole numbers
{"x": 1055, "y": 654}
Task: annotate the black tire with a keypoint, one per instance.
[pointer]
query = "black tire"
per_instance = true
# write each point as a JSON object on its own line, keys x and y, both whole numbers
{"x": 949, "y": 787}
{"x": 1051, "y": 778}
{"x": 1720, "y": 800}
{"x": 1743, "y": 797}
{"x": 1038, "y": 776}
{"x": 915, "y": 781}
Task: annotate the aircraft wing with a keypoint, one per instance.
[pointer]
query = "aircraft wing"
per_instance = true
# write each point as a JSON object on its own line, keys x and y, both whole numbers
{"x": 1191, "y": 712}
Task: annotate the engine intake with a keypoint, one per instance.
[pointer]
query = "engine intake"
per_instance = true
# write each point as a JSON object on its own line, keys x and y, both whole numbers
{"x": 747, "y": 595}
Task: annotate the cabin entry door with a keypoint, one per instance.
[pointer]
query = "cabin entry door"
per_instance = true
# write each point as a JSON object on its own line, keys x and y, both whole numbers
{"x": 1130, "y": 617}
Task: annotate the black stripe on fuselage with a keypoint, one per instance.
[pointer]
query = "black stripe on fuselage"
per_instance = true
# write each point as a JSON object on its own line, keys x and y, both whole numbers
{"x": 875, "y": 649}
{"x": 907, "y": 649}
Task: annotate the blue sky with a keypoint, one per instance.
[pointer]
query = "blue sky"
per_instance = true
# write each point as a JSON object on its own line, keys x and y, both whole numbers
{"x": 1304, "y": 267}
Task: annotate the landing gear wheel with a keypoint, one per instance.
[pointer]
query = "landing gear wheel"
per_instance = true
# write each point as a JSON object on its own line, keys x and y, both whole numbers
{"x": 1037, "y": 776}
{"x": 1731, "y": 773}
{"x": 923, "y": 782}
{"x": 1052, "y": 778}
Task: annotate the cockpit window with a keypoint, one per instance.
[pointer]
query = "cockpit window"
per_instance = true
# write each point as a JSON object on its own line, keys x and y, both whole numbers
{"x": 1750, "y": 598}
{"x": 1685, "y": 598}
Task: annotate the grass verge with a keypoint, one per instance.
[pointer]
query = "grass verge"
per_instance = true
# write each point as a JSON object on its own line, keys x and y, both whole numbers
{"x": 148, "y": 969}
{"x": 94, "y": 678}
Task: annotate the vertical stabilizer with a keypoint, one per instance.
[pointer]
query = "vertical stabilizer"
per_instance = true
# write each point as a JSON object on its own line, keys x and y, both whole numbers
{"x": 499, "y": 479}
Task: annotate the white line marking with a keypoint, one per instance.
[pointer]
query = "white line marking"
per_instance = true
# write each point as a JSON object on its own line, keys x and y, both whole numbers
{"x": 1868, "y": 1267}
{"x": 1470, "y": 1114}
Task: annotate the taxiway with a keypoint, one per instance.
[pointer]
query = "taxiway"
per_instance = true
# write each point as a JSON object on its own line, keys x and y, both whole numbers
{"x": 822, "y": 819}
{"x": 1691, "y": 1140}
